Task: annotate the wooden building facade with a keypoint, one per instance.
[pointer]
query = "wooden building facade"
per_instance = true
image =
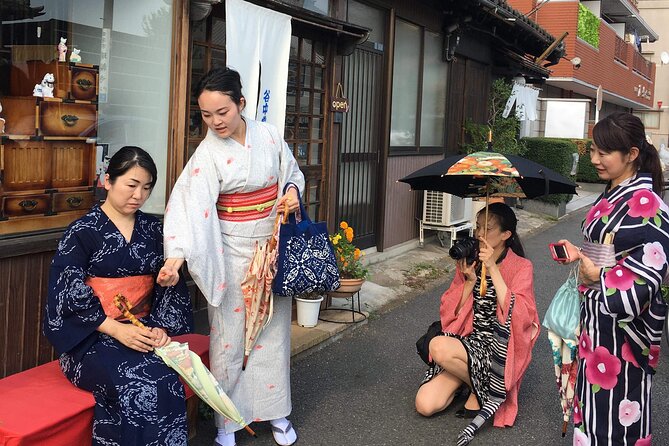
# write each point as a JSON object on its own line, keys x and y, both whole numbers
{"x": 412, "y": 75}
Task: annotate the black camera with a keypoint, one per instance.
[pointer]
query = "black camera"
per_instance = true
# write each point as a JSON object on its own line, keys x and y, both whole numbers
{"x": 466, "y": 248}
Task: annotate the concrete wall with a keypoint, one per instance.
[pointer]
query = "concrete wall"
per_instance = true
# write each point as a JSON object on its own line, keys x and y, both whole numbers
{"x": 656, "y": 14}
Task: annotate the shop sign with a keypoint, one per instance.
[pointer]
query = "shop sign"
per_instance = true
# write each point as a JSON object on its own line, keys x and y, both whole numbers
{"x": 339, "y": 103}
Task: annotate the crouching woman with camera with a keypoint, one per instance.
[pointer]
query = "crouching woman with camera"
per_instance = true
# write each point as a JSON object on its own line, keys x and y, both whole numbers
{"x": 486, "y": 338}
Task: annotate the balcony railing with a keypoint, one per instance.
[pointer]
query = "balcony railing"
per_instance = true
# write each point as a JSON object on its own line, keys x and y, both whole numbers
{"x": 621, "y": 51}
{"x": 641, "y": 65}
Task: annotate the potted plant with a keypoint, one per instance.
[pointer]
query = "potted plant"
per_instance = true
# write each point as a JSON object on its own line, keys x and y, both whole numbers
{"x": 308, "y": 308}
{"x": 352, "y": 273}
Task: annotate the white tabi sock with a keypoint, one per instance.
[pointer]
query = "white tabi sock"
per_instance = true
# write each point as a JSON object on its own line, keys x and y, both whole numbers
{"x": 225, "y": 439}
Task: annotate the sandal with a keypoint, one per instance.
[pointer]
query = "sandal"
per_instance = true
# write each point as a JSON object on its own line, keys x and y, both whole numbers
{"x": 281, "y": 435}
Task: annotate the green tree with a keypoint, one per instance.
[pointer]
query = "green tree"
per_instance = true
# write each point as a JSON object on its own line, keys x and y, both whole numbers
{"x": 504, "y": 130}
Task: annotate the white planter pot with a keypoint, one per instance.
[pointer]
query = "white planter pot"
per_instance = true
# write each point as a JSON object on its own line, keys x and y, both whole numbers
{"x": 307, "y": 311}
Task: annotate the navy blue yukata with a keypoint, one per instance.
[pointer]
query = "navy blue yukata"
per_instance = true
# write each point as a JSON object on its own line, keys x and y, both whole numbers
{"x": 138, "y": 399}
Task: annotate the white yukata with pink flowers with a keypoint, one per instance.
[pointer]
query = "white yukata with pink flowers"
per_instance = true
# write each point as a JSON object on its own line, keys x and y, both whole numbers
{"x": 621, "y": 323}
{"x": 218, "y": 253}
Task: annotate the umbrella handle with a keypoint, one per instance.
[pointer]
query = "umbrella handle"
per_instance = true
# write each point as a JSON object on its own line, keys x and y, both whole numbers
{"x": 124, "y": 307}
{"x": 484, "y": 284}
{"x": 281, "y": 218}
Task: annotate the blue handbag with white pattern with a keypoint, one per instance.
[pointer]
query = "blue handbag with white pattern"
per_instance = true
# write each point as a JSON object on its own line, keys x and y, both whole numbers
{"x": 306, "y": 261}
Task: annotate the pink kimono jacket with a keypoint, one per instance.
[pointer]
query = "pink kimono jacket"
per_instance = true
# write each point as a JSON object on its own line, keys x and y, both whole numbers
{"x": 517, "y": 273}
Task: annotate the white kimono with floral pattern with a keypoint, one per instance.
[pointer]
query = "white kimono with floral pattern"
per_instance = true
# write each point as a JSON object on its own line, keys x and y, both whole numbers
{"x": 218, "y": 254}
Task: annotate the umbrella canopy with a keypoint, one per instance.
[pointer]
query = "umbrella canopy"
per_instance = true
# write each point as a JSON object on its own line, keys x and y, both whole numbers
{"x": 190, "y": 367}
{"x": 488, "y": 173}
{"x": 565, "y": 360}
{"x": 257, "y": 289}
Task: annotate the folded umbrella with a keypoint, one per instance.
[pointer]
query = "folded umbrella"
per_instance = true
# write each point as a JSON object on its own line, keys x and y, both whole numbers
{"x": 565, "y": 360}
{"x": 190, "y": 367}
{"x": 257, "y": 289}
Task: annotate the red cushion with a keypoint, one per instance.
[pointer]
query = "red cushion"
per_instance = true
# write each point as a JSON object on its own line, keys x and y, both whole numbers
{"x": 40, "y": 406}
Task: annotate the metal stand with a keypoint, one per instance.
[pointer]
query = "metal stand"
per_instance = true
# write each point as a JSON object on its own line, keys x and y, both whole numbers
{"x": 453, "y": 230}
{"x": 352, "y": 310}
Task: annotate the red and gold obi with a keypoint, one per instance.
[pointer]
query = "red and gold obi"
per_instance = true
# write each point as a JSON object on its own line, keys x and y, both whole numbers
{"x": 247, "y": 206}
{"x": 137, "y": 290}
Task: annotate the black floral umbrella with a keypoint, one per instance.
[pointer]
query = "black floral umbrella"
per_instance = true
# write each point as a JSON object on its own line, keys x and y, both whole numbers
{"x": 490, "y": 174}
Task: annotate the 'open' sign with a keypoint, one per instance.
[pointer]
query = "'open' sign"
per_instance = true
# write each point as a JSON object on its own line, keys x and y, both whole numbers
{"x": 339, "y": 105}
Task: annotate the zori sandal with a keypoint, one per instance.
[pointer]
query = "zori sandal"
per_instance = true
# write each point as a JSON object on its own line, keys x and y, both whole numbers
{"x": 286, "y": 436}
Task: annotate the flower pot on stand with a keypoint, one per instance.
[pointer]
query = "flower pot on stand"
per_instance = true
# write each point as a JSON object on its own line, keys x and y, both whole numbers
{"x": 307, "y": 311}
{"x": 350, "y": 285}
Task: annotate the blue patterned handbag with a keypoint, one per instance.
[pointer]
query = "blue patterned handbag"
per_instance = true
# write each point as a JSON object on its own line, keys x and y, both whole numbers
{"x": 306, "y": 262}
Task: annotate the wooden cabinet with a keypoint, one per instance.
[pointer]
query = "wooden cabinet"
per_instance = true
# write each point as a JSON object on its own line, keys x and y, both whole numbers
{"x": 47, "y": 153}
{"x": 73, "y": 80}
{"x": 59, "y": 118}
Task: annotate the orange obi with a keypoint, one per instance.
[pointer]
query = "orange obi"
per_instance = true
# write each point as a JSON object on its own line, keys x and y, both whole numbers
{"x": 247, "y": 206}
{"x": 137, "y": 289}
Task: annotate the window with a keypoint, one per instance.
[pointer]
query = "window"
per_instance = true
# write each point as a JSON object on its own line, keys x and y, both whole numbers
{"x": 319, "y": 6}
{"x": 650, "y": 119}
{"x": 433, "y": 109}
{"x": 406, "y": 79}
{"x": 207, "y": 52}
{"x": 105, "y": 66}
{"x": 305, "y": 106}
{"x": 419, "y": 91}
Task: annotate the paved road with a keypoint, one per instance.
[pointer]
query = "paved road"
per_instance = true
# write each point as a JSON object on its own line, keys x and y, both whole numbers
{"x": 360, "y": 389}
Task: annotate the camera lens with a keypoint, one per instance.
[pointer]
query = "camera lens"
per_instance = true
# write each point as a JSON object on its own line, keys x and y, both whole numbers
{"x": 467, "y": 248}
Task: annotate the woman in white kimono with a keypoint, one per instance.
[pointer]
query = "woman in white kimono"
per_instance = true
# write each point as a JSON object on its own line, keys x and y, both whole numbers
{"x": 240, "y": 163}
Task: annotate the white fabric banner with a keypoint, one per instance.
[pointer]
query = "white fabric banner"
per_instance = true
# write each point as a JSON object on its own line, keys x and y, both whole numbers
{"x": 257, "y": 46}
{"x": 525, "y": 98}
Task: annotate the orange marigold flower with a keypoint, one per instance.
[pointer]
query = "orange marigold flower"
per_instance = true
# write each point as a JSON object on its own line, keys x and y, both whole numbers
{"x": 343, "y": 225}
{"x": 349, "y": 234}
{"x": 356, "y": 254}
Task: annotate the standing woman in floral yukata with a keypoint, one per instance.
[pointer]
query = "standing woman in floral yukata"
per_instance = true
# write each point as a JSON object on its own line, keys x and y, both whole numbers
{"x": 623, "y": 312}
{"x": 222, "y": 205}
{"x": 116, "y": 248}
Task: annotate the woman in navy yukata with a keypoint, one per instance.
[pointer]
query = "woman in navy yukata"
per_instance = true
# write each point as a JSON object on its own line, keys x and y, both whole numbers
{"x": 117, "y": 248}
{"x": 622, "y": 311}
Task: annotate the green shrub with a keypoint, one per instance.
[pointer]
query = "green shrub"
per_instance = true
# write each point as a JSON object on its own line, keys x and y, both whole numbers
{"x": 588, "y": 26}
{"x": 556, "y": 154}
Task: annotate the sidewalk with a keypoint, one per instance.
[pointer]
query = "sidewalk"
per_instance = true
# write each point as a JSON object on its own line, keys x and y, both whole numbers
{"x": 405, "y": 270}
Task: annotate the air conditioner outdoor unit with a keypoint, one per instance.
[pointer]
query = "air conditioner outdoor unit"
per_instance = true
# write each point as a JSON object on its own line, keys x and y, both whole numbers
{"x": 444, "y": 209}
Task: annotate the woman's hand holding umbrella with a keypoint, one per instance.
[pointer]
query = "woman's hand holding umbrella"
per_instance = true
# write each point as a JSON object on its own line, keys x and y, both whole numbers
{"x": 588, "y": 272}
{"x": 188, "y": 365}
{"x": 489, "y": 260}
{"x": 162, "y": 339}
{"x": 290, "y": 199}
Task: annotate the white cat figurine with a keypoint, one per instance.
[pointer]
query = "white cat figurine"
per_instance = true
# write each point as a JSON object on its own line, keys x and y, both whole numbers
{"x": 45, "y": 89}
{"x": 74, "y": 56}
{"x": 62, "y": 49}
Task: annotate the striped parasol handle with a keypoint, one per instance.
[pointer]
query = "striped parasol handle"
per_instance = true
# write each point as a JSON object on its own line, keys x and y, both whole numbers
{"x": 124, "y": 307}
